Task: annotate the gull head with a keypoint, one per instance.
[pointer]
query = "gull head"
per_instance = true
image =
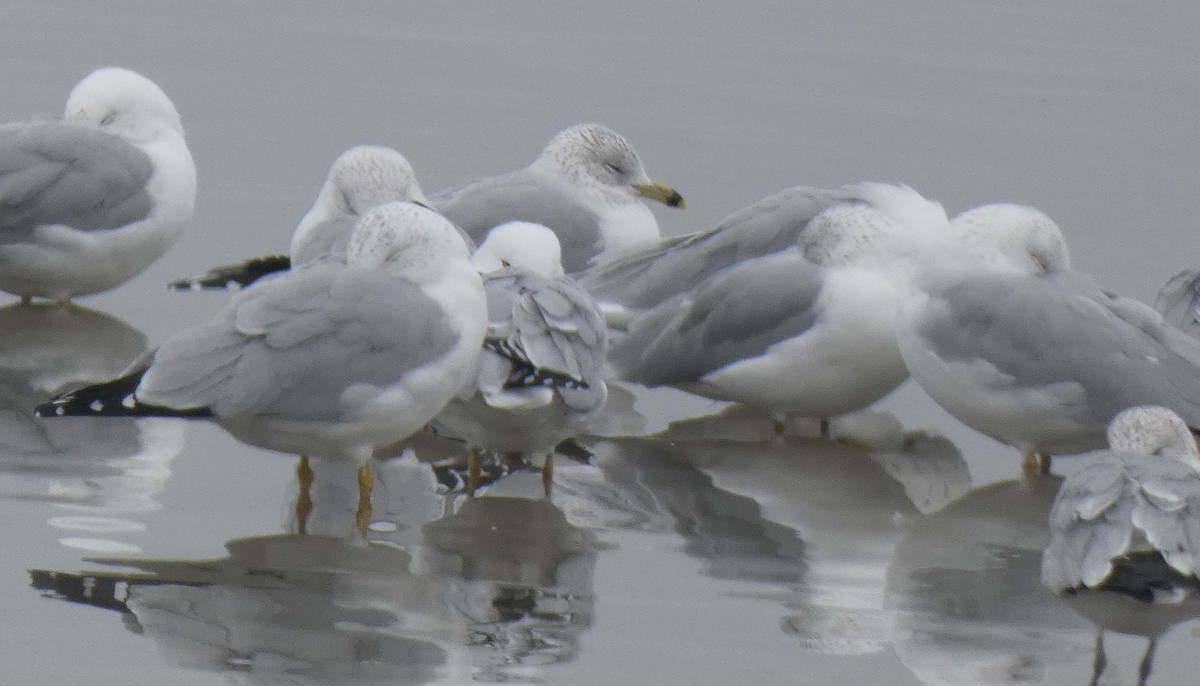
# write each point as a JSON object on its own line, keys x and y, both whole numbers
{"x": 1016, "y": 236}
{"x": 600, "y": 159}
{"x": 524, "y": 246}
{"x": 408, "y": 238}
{"x": 124, "y": 103}
{"x": 368, "y": 175}
{"x": 1153, "y": 430}
{"x": 856, "y": 234}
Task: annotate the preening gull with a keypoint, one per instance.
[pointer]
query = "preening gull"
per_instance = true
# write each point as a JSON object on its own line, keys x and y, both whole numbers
{"x": 585, "y": 186}
{"x": 1004, "y": 335}
{"x": 806, "y": 331}
{"x": 540, "y": 377}
{"x": 89, "y": 201}
{"x": 328, "y": 359}
{"x": 361, "y": 178}
{"x": 1129, "y": 520}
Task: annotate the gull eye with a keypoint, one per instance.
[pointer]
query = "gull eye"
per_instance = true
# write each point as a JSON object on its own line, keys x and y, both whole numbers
{"x": 612, "y": 167}
{"x": 108, "y": 119}
{"x": 505, "y": 263}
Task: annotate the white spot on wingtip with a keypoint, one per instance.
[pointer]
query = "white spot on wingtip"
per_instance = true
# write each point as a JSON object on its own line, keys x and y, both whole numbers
{"x": 95, "y": 406}
{"x": 129, "y": 402}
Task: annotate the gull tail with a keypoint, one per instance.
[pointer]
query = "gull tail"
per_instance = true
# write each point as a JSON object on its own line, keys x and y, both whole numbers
{"x": 113, "y": 398}
{"x": 234, "y": 275}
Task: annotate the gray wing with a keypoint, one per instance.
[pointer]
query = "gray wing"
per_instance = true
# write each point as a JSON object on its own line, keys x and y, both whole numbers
{"x": 1090, "y": 524}
{"x": 290, "y": 344}
{"x": 1064, "y": 329}
{"x": 1168, "y": 510}
{"x": 1179, "y": 302}
{"x": 737, "y": 314}
{"x": 56, "y": 173}
{"x": 556, "y": 325}
{"x": 327, "y": 240}
{"x": 528, "y": 196}
{"x": 677, "y": 264}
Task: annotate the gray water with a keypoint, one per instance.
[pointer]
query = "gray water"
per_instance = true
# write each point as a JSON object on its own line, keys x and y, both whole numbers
{"x": 707, "y": 560}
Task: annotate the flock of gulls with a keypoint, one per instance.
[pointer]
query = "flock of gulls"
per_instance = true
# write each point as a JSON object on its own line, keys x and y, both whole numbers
{"x": 494, "y": 313}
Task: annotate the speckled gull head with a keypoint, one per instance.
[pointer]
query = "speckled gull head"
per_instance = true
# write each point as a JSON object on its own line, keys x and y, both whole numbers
{"x": 360, "y": 178}
{"x": 603, "y": 161}
{"x": 1015, "y": 236}
{"x": 123, "y": 103}
{"x": 1153, "y": 430}
{"x": 858, "y": 235}
{"x": 406, "y": 237}
{"x": 525, "y": 246}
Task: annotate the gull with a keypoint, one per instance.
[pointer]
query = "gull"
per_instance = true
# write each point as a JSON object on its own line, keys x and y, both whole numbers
{"x": 628, "y": 285}
{"x": 1003, "y": 334}
{"x": 89, "y": 201}
{"x": 805, "y": 331}
{"x": 585, "y": 186}
{"x": 361, "y": 178}
{"x": 540, "y": 375}
{"x": 1128, "y": 523}
{"x": 328, "y": 359}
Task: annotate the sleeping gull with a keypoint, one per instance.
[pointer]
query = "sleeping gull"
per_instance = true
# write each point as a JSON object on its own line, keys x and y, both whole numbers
{"x": 639, "y": 281}
{"x": 808, "y": 331}
{"x": 1004, "y": 335}
{"x": 585, "y": 186}
{"x": 89, "y": 201}
{"x": 328, "y": 359}
{"x": 1179, "y": 301}
{"x": 1129, "y": 520}
{"x": 540, "y": 377}
{"x": 362, "y": 177}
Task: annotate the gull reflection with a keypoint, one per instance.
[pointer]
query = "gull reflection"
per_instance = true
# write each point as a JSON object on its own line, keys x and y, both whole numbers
{"x": 491, "y": 591}
{"x": 98, "y": 464}
{"x": 815, "y": 520}
{"x": 965, "y": 589}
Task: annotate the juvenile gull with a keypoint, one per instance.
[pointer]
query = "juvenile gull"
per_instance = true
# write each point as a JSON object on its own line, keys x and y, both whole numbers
{"x": 89, "y": 201}
{"x": 585, "y": 186}
{"x": 329, "y": 359}
{"x": 1004, "y": 335}
{"x": 540, "y": 377}
{"x": 1129, "y": 520}
{"x": 807, "y": 331}
{"x": 362, "y": 177}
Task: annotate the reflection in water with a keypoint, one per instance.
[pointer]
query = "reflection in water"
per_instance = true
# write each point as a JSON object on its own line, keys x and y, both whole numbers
{"x": 520, "y": 575}
{"x": 503, "y": 585}
{"x": 967, "y": 594}
{"x": 814, "y": 519}
{"x": 85, "y": 461}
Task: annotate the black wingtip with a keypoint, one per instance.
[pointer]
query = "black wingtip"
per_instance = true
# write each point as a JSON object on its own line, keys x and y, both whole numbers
{"x": 112, "y": 399}
{"x": 234, "y": 275}
{"x": 525, "y": 374}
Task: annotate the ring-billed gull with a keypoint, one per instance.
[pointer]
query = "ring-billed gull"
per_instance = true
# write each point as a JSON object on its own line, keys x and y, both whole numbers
{"x": 89, "y": 201}
{"x": 647, "y": 278}
{"x": 1129, "y": 520}
{"x": 1004, "y": 335}
{"x": 362, "y": 177}
{"x": 328, "y": 359}
{"x": 807, "y": 331}
{"x": 585, "y": 186}
{"x": 540, "y": 376}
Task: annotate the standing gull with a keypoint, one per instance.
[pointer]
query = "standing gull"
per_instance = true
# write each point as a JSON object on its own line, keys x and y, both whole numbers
{"x": 540, "y": 377}
{"x": 89, "y": 201}
{"x": 1003, "y": 334}
{"x": 362, "y": 177}
{"x": 807, "y": 331}
{"x": 328, "y": 359}
{"x": 585, "y": 186}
